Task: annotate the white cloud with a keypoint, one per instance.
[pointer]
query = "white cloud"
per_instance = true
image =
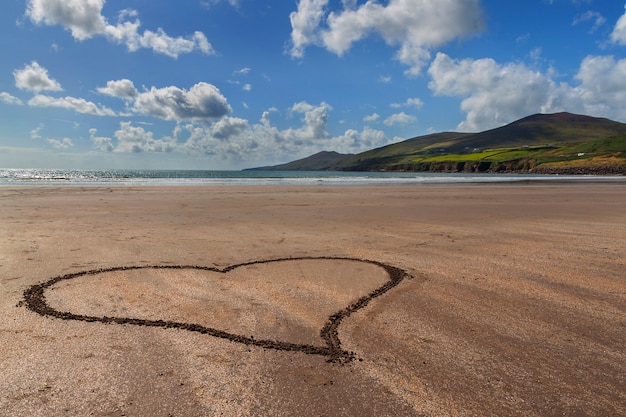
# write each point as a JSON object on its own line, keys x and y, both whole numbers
{"x": 230, "y": 136}
{"x": 603, "y": 86}
{"x": 34, "y": 134}
{"x": 399, "y": 119}
{"x": 410, "y": 102}
{"x": 9, "y": 99}
{"x": 522, "y": 39}
{"x": 415, "y": 26}
{"x": 619, "y": 32}
{"x": 101, "y": 142}
{"x": 64, "y": 143}
{"x": 414, "y": 102}
{"x": 236, "y": 140}
{"x": 372, "y": 117}
{"x": 313, "y": 135}
{"x": 84, "y": 19}
{"x": 201, "y": 103}
{"x": 124, "y": 89}
{"x": 209, "y": 3}
{"x": 71, "y": 103}
{"x": 535, "y": 54}
{"x": 158, "y": 41}
{"x": 135, "y": 139}
{"x": 595, "y": 17}
{"x": 495, "y": 94}
{"x": 315, "y": 121}
{"x": 242, "y": 71}
{"x": 304, "y": 25}
{"x": 353, "y": 141}
{"x": 35, "y": 78}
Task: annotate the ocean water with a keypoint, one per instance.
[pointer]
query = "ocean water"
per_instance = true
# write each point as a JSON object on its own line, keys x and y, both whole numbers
{"x": 200, "y": 177}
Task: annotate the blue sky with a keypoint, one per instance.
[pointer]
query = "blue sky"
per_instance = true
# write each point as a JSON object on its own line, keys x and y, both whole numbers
{"x": 230, "y": 84}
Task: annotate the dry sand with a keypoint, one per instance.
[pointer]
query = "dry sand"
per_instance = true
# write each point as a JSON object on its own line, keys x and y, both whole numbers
{"x": 515, "y": 303}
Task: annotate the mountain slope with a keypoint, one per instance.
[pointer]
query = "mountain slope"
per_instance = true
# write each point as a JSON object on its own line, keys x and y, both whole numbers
{"x": 543, "y": 129}
{"x": 519, "y": 146}
{"x": 321, "y": 161}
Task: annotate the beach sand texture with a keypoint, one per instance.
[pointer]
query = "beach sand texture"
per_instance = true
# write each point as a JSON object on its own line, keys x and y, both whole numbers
{"x": 512, "y": 300}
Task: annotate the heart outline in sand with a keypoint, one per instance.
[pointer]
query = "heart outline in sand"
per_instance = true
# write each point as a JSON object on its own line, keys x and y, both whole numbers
{"x": 35, "y": 300}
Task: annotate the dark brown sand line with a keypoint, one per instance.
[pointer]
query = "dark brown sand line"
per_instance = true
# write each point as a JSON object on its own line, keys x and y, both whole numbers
{"x": 35, "y": 300}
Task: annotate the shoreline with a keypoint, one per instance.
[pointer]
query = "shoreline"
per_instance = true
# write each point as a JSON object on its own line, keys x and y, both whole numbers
{"x": 30, "y": 177}
{"x": 473, "y": 179}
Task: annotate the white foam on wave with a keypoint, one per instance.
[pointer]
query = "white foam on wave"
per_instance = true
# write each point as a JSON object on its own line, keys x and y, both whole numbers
{"x": 294, "y": 178}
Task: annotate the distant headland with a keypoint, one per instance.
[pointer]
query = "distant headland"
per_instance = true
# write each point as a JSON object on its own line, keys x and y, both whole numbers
{"x": 559, "y": 143}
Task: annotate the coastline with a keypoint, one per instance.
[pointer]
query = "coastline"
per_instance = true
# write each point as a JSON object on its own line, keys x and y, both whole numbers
{"x": 100, "y": 178}
{"x": 513, "y": 304}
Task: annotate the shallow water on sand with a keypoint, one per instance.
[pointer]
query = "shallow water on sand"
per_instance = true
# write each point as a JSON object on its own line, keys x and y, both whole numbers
{"x": 207, "y": 177}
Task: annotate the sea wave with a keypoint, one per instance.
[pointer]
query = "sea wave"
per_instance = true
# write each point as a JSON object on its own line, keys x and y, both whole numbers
{"x": 207, "y": 177}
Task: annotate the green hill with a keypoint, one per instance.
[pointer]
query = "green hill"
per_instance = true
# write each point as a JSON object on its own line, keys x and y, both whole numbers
{"x": 539, "y": 143}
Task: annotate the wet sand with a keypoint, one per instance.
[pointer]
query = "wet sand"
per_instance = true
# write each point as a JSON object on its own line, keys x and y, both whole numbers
{"x": 512, "y": 300}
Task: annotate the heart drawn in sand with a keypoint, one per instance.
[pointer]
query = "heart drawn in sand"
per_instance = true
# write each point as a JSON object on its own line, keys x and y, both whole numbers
{"x": 276, "y": 304}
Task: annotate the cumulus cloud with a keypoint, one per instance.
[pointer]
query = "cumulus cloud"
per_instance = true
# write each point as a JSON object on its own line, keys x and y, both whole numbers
{"x": 84, "y": 19}
{"x": 201, "y": 103}
{"x": 135, "y": 139}
{"x": 410, "y": 102}
{"x": 34, "y": 77}
{"x": 371, "y": 117}
{"x": 103, "y": 143}
{"x": 230, "y": 136}
{"x": 124, "y": 89}
{"x": 305, "y": 25}
{"x": 64, "y": 143}
{"x": 265, "y": 141}
{"x": 619, "y": 32}
{"x": 71, "y": 103}
{"x": 235, "y": 139}
{"x": 9, "y": 99}
{"x": 399, "y": 119}
{"x": 315, "y": 121}
{"x": 495, "y": 94}
{"x": 414, "y": 26}
{"x": 159, "y": 41}
{"x": 603, "y": 86}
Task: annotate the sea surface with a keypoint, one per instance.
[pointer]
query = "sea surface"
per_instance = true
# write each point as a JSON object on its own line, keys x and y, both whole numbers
{"x": 21, "y": 177}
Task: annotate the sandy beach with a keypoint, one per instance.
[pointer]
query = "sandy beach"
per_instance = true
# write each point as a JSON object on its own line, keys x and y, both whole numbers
{"x": 508, "y": 300}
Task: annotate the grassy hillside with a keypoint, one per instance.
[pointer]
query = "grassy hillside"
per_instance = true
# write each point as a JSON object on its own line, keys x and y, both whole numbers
{"x": 538, "y": 143}
{"x": 321, "y": 161}
{"x": 397, "y": 153}
{"x": 593, "y": 154}
{"x": 543, "y": 129}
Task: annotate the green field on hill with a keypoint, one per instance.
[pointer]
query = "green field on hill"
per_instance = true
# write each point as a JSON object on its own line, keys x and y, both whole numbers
{"x": 544, "y": 143}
